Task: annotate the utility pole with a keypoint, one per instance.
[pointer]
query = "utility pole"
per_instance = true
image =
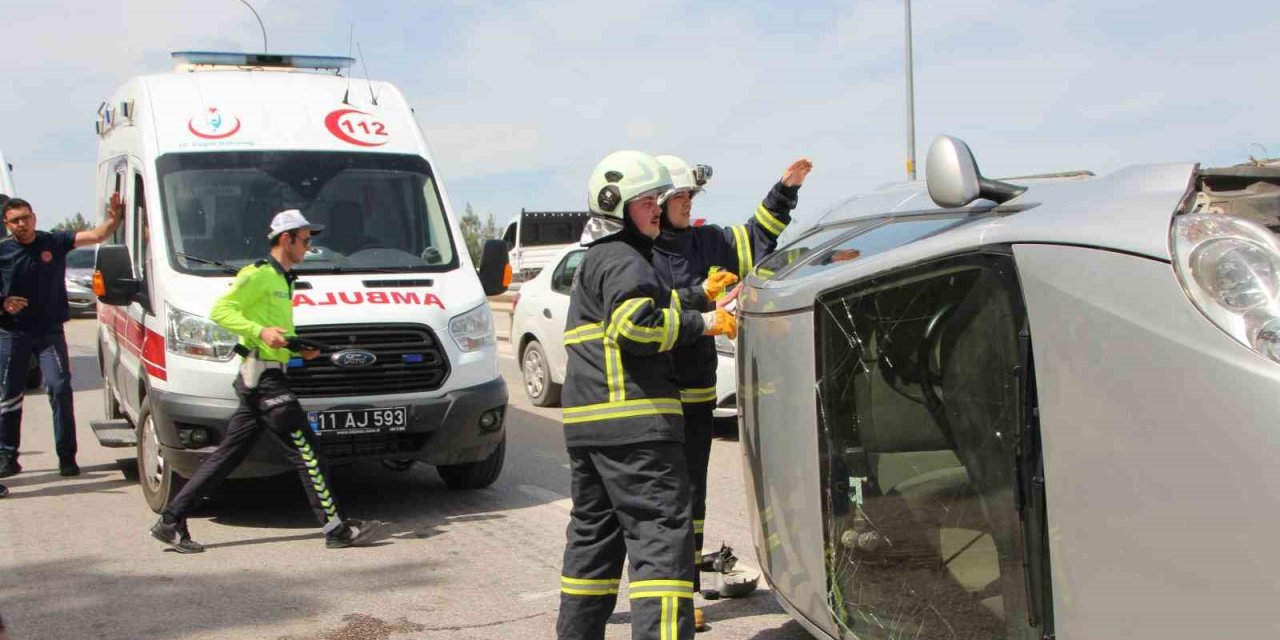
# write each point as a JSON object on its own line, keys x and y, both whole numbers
{"x": 911, "y": 104}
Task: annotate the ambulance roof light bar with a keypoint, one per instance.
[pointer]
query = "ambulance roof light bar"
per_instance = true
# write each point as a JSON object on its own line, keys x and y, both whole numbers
{"x": 192, "y": 60}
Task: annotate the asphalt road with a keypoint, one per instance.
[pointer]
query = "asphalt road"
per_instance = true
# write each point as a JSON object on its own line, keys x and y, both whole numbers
{"x": 76, "y": 562}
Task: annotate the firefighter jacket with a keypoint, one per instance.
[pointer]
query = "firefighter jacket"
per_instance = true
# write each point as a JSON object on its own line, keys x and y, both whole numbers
{"x": 619, "y": 386}
{"x": 683, "y": 258}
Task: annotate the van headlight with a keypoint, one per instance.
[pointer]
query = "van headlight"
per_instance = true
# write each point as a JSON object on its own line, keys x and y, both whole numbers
{"x": 191, "y": 335}
{"x": 1230, "y": 268}
{"x": 473, "y": 329}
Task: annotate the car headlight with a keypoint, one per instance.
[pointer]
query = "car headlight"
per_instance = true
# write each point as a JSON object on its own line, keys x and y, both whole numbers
{"x": 84, "y": 282}
{"x": 473, "y": 329}
{"x": 725, "y": 345}
{"x": 191, "y": 335}
{"x": 1230, "y": 268}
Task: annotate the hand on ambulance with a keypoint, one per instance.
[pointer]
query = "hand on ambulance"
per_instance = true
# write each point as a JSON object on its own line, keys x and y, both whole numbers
{"x": 115, "y": 208}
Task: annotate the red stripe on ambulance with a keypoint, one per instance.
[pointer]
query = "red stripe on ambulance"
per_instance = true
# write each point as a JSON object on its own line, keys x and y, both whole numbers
{"x": 368, "y": 297}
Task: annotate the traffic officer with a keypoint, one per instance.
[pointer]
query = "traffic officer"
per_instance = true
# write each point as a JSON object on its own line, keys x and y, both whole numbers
{"x": 259, "y": 309}
{"x": 622, "y": 418}
{"x": 684, "y": 256}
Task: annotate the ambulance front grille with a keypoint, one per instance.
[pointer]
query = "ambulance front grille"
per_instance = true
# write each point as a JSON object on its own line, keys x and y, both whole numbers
{"x": 409, "y": 359}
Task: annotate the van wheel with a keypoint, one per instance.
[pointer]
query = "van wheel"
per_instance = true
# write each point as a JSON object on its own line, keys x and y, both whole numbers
{"x": 475, "y": 475}
{"x": 538, "y": 386}
{"x": 159, "y": 482}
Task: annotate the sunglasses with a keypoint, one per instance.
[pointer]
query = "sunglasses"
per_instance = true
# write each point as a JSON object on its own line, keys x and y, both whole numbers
{"x": 16, "y": 220}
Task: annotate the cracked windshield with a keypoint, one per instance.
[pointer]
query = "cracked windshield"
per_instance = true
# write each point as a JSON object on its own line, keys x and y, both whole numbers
{"x": 919, "y": 410}
{"x": 380, "y": 212}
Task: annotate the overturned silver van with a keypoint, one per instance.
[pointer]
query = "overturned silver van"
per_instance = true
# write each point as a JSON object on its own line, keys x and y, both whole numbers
{"x": 1045, "y": 407}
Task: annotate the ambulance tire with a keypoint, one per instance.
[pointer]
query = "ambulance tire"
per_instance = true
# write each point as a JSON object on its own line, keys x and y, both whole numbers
{"x": 474, "y": 475}
{"x": 159, "y": 483}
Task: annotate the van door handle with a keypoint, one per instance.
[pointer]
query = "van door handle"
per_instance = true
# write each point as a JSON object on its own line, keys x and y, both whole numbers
{"x": 546, "y": 313}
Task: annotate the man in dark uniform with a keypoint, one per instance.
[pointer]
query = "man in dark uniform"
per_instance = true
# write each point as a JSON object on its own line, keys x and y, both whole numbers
{"x": 259, "y": 309}
{"x": 622, "y": 418}
{"x": 33, "y": 308}
{"x": 686, "y": 255}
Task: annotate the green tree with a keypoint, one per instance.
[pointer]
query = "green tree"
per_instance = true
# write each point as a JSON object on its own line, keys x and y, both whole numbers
{"x": 74, "y": 223}
{"x": 471, "y": 231}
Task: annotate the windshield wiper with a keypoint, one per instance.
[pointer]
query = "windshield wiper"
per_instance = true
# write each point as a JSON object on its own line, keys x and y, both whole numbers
{"x": 216, "y": 263}
{"x": 357, "y": 270}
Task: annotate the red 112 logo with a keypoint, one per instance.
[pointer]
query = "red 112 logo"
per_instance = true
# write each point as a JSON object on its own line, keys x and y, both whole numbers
{"x": 356, "y": 127}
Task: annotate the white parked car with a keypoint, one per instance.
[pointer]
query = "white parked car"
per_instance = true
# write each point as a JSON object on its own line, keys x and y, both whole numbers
{"x": 537, "y": 333}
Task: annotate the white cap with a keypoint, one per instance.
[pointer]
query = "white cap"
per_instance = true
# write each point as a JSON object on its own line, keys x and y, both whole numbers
{"x": 291, "y": 220}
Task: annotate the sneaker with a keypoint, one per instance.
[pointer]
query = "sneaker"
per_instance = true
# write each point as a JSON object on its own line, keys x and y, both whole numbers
{"x": 68, "y": 468}
{"x": 4, "y": 491}
{"x": 352, "y": 533}
{"x": 9, "y": 467}
{"x": 176, "y": 536}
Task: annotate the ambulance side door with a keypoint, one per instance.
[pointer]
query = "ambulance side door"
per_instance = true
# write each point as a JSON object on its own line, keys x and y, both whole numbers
{"x": 135, "y": 372}
{"x": 111, "y": 319}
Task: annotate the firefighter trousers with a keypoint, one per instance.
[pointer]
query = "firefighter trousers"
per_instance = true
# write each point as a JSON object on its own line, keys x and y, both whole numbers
{"x": 273, "y": 408}
{"x": 698, "y": 424}
{"x": 628, "y": 501}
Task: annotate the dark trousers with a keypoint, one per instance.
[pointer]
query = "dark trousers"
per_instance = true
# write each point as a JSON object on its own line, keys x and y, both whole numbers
{"x": 272, "y": 408}
{"x": 50, "y": 348}
{"x": 628, "y": 501}
{"x": 699, "y": 420}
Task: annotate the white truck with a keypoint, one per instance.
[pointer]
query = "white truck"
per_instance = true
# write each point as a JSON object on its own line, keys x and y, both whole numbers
{"x": 203, "y": 157}
{"x": 534, "y": 238}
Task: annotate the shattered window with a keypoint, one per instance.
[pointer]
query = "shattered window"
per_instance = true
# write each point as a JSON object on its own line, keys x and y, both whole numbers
{"x": 788, "y": 255}
{"x": 920, "y": 407}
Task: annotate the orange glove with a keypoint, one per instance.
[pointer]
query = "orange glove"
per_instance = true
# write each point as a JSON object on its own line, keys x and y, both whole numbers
{"x": 717, "y": 282}
{"x": 720, "y": 323}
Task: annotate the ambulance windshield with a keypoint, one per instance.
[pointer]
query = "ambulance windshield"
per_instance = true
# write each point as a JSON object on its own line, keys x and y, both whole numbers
{"x": 381, "y": 212}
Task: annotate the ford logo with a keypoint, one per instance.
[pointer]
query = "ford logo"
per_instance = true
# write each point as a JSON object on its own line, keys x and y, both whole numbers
{"x": 353, "y": 358}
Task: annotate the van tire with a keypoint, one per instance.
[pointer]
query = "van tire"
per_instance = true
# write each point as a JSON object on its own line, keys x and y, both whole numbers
{"x": 159, "y": 483}
{"x": 536, "y": 375}
{"x": 474, "y": 475}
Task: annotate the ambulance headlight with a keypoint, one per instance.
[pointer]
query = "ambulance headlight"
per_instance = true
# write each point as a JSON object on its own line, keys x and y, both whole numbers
{"x": 474, "y": 329}
{"x": 191, "y": 335}
{"x": 1230, "y": 268}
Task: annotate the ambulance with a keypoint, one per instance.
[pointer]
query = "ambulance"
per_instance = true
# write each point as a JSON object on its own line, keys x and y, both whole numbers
{"x": 203, "y": 157}
{"x": 6, "y": 178}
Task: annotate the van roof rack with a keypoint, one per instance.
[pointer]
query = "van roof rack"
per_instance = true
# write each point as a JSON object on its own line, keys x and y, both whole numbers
{"x": 199, "y": 59}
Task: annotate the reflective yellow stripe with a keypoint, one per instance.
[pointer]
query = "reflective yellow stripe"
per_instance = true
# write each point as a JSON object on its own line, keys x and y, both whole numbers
{"x": 742, "y": 242}
{"x": 584, "y": 333}
{"x": 568, "y": 580}
{"x": 675, "y": 619}
{"x": 675, "y": 302}
{"x": 698, "y": 525}
{"x": 694, "y": 396}
{"x": 670, "y": 318}
{"x": 589, "y": 592}
{"x": 770, "y": 222}
{"x": 621, "y": 323}
{"x": 640, "y": 584}
{"x": 613, "y": 372}
{"x": 662, "y": 594}
{"x": 622, "y": 409}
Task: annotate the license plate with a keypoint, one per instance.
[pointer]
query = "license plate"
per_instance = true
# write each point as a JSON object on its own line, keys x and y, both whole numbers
{"x": 358, "y": 421}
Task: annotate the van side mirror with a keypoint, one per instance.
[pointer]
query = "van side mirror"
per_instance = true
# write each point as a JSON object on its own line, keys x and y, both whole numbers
{"x": 113, "y": 280}
{"x": 953, "y": 178}
{"x": 495, "y": 268}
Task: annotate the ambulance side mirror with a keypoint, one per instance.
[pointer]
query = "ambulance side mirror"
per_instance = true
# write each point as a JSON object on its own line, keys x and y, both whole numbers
{"x": 113, "y": 280}
{"x": 495, "y": 267}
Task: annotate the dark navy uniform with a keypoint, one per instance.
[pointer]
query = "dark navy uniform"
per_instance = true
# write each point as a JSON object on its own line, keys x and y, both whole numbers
{"x": 36, "y": 271}
{"x": 683, "y": 259}
{"x": 624, "y": 427}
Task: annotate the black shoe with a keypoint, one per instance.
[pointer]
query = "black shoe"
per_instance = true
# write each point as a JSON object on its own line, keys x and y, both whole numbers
{"x": 176, "y": 536}
{"x": 4, "y": 491}
{"x": 9, "y": 467}
{"x": 68, "y": 468}
{"x": 352, "y": 533}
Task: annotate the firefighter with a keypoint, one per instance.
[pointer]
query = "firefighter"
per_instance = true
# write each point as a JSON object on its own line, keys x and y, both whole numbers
{"x": 684, "y": 256}
{"x": 259, "y": 309}
{"x": 622, "y": 418}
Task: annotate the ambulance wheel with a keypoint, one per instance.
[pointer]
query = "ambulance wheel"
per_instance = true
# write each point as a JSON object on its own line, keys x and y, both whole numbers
{"x": 159, "y": 482}
{"x": 538, "y": 386}
{"x": 474, "y": 475}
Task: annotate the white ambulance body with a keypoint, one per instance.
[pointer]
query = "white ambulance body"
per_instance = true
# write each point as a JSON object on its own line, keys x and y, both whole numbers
{"x": 6, "y": 179}
{"x": 204, "y": 156}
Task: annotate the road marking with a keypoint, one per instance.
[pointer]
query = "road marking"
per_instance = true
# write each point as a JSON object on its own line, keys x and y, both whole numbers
{"x": 563, "y": 502}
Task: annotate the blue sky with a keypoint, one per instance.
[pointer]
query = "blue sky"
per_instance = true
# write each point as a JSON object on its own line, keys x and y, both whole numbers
{"x": 520, "y": 99}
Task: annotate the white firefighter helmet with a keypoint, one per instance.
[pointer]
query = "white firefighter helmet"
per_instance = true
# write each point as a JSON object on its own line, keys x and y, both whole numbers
{"x": 622, "y": 177}
{"x": 683, "y": 176}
